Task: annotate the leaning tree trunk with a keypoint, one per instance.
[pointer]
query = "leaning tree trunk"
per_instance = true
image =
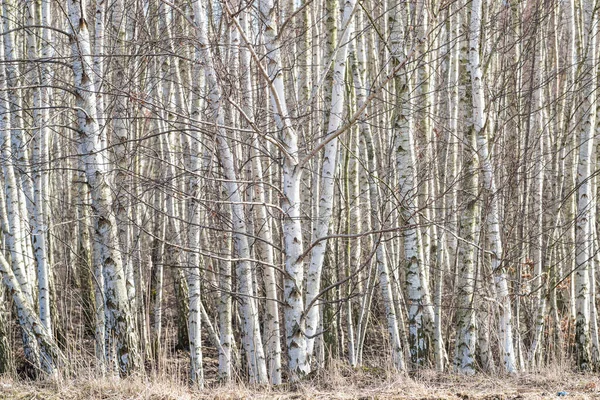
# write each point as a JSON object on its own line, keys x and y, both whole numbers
{"x": 263, "y": 245}
{"x": 493, "y": 214}
{"x": 41, "y": 349}
{"x": 44, "y": 351}
{"x": 119, "y": 321}
{"x": 385, "y": 276}
{"x": 292, "y": 228}
{"x": 248, "y": 308}
{"x": 328, "y": 172}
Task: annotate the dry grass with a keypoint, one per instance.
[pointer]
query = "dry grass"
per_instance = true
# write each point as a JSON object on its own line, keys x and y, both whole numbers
{"x": 337, "y": 382}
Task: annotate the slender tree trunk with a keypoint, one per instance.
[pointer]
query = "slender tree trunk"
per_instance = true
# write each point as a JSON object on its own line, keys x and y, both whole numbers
{"x": 118, "y": 316}
{"x": 493, "y": 216}
{"x": 586, "y": 202}
{"x": 292, "y": 228}
{"x": 39, "y": 157}
{"x": 328, "y": 172}
{"x": 466, "y": 335}
{"x": 265, "y": 240}
{"x": 249, "y": 313}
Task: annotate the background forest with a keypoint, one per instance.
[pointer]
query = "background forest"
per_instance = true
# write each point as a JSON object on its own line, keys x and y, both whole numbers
{"x": 274, "y": 185}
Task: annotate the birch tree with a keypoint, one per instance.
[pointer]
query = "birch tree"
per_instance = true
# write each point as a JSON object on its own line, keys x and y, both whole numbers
{"x": 493, "y": 217}
{"x": 218, "y": 169}
{"x": 585, "y": 201}
{"x": 251, "y": 328}
{"x": 292, "y": 230}
{"x": 121, "y": 335}
{"x": 328, "y": 172}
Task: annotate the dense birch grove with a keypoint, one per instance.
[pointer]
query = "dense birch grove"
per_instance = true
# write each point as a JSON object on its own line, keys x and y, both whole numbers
{"x": 255, "y": 189}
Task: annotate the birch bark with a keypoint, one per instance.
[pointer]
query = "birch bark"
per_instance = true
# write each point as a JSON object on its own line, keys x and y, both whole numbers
{"x": 383, "y": 273}
{"x": 328, "y": 172}
{"x": 585, "y": 201}
{"x": 40, "y": 348}
{"x": 249, "y": 313}
{"x": 262, "y": 223}
{"x": 45, "y": 353}
{"x": 292, "y": 229}
{"x": 118, "y": 317}
{"x": 493, "y": 213}
{"x": 469, "y": 225}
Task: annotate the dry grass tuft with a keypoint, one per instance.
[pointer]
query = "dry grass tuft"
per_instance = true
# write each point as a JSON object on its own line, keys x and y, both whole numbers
{"x": 338, "y": 381}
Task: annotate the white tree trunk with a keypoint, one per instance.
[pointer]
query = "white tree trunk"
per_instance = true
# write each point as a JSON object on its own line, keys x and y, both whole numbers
{"x": 384, "y": 275}
{"x": 39, "y": 156}
{"x": 249, "y": 312}
{"x": 119, "y": 320}
{"x": 328, "y": 172}
{"x": 98, "y": 68}
{"x": 120, "y": 140}
{"x": 45, "y": 351}
{"x": 466, "y": 334}
{"x": 292, "y": 229}
{"x": 19, "y": 143}
{"x": 585, "y": 200}
{"x": 196, "y": 217}
{"x": 405, "y": 148}
{"x": 264, "y": 244}
{"x": 16, "y": 239}
{"x": 40, "y": 348}
{"x": 493, "y": 216}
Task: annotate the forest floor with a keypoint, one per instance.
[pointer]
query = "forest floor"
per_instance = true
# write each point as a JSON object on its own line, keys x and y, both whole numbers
{"x": 336, "y": 383}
